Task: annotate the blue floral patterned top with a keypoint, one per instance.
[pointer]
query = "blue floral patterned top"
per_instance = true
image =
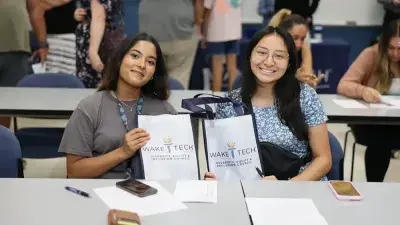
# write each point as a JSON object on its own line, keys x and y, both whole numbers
{"x": 271, "y": 129}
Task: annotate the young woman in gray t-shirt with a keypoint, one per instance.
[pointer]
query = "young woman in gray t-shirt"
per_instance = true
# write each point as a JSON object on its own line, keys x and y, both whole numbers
{"x": 102, "y": 138}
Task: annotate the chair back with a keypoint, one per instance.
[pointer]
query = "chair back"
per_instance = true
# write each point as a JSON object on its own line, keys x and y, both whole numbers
{"x": 10, "y": 155}
{"x": 175, "y": 84}
{"x": 51, "y": 80}
{"x": 238, "y": 82}
{"x": 337, "y": 155}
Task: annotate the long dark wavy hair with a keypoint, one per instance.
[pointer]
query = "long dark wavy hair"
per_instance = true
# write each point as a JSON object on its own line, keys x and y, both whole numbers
{"x": 157, "y": 87}
{"x": 287, "y": 88}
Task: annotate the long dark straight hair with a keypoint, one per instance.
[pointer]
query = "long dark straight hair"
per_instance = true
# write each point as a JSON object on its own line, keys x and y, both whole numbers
{"x": 157, "y": 87}
{"x": 287, "y": 88}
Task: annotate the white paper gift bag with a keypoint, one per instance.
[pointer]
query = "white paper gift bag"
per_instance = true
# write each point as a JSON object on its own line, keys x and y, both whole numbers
{"x": 170, "y": 154}
{"x": 231, "y": 146}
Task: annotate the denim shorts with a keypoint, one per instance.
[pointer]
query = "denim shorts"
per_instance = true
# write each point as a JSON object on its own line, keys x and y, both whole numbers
{"x": 223, "y": 48}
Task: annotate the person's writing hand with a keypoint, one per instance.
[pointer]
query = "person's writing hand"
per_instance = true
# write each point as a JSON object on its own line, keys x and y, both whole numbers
{"x": 134, "y": 140}
{"x": 371, "y": 95}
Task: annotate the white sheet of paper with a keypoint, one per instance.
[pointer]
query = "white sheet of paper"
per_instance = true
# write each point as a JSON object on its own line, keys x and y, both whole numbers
{"x": 196, "y": 191}
{"x": 379, "y": 106}
{"x": 162, "y": 202}
{"x": 39, "y": 68}
{"x": 170, "y": 148}
{"x": 390, "y": 103}
{"x": 274, "y": 211}
{"x": 349, "y": 104}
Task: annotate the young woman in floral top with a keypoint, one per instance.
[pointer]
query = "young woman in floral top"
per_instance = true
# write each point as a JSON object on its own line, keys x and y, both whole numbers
{"x": 288, "y": 113}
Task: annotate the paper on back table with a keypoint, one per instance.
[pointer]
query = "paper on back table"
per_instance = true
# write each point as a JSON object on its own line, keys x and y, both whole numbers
{"x": 284, "y": 211}
{"x": 387, "y": 103}
{"x": 196, "y": 191}
{"x": 163, "y": 201}
{"x": 349, "y": 104}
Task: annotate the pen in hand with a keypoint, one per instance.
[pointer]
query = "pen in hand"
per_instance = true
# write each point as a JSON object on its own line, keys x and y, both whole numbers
{"x": 259, "y": 172}
{"x": 76, "y": 191}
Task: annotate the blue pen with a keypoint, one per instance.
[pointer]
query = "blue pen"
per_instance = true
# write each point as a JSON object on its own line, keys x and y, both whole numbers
{"x": 76, "y": 191}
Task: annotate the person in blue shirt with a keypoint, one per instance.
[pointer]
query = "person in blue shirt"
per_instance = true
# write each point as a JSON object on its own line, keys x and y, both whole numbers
{"x": 287, "y": 112}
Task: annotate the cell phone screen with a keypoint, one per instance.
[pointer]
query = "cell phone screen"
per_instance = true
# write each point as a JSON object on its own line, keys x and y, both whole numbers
{"x": 135, "y": 186}
{"x": 344, "y": 188}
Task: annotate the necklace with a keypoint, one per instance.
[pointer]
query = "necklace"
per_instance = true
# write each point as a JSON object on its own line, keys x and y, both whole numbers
{"x": 131, "y": 107}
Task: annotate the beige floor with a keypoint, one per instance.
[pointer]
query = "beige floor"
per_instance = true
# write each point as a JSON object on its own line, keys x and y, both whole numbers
{"x": 55, "y": 168}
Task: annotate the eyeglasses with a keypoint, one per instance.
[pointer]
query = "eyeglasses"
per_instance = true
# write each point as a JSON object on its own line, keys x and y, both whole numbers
{"x": 277, "y": 56}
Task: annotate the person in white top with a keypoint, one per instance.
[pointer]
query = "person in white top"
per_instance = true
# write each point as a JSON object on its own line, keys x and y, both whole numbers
{"x": 222, "y": 30}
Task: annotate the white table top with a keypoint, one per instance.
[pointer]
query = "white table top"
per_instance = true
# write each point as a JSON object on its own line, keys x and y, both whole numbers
{"x": 45, "y": 201}
{"x": 379, "y": 206}
{"x": 60, "y": 102}
{"x": 40, "y": 101}
{"x": 369, "y": 115}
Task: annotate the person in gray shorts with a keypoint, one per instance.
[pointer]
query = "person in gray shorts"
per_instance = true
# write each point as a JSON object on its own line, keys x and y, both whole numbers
{"x": 14, "y": 45}
{"x": 101, "y": 139}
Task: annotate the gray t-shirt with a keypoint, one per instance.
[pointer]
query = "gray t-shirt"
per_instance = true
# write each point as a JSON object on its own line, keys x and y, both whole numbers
{"x": 95, "y": 128}
{"x": 167, "y": 20}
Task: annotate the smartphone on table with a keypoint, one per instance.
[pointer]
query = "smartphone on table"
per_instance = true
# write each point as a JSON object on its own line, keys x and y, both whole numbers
{"x": 345, "y": 190}
{"x": 136, "y": 187}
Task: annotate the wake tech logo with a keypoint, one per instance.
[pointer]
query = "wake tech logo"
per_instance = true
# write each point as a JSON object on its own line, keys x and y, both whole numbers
{"x": 232, "y": 151}
{"x": 169, "y": 146}
{"x": 231, "y": 148}
{"x": 168, "y": 143}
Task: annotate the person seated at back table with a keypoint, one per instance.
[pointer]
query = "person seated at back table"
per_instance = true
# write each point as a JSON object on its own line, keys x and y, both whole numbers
{"x": 374, "y": 73}
{"x": 288, "y": 113}
{"x": 297, "y": 27}
{"x": 102, "y": 134}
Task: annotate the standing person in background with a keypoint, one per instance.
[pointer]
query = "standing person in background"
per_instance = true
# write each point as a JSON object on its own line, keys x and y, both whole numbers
{"x": 57, "y": 29}
{"x": 173, "y": 24}
{"x": 15, "y": 46}
{"x": 266, "y": 10}
{"x": 221, "y": 34}
{"x": 392, "y": 10}
{"x": 95, "y": 17}
{"x": 300, "y": 7}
